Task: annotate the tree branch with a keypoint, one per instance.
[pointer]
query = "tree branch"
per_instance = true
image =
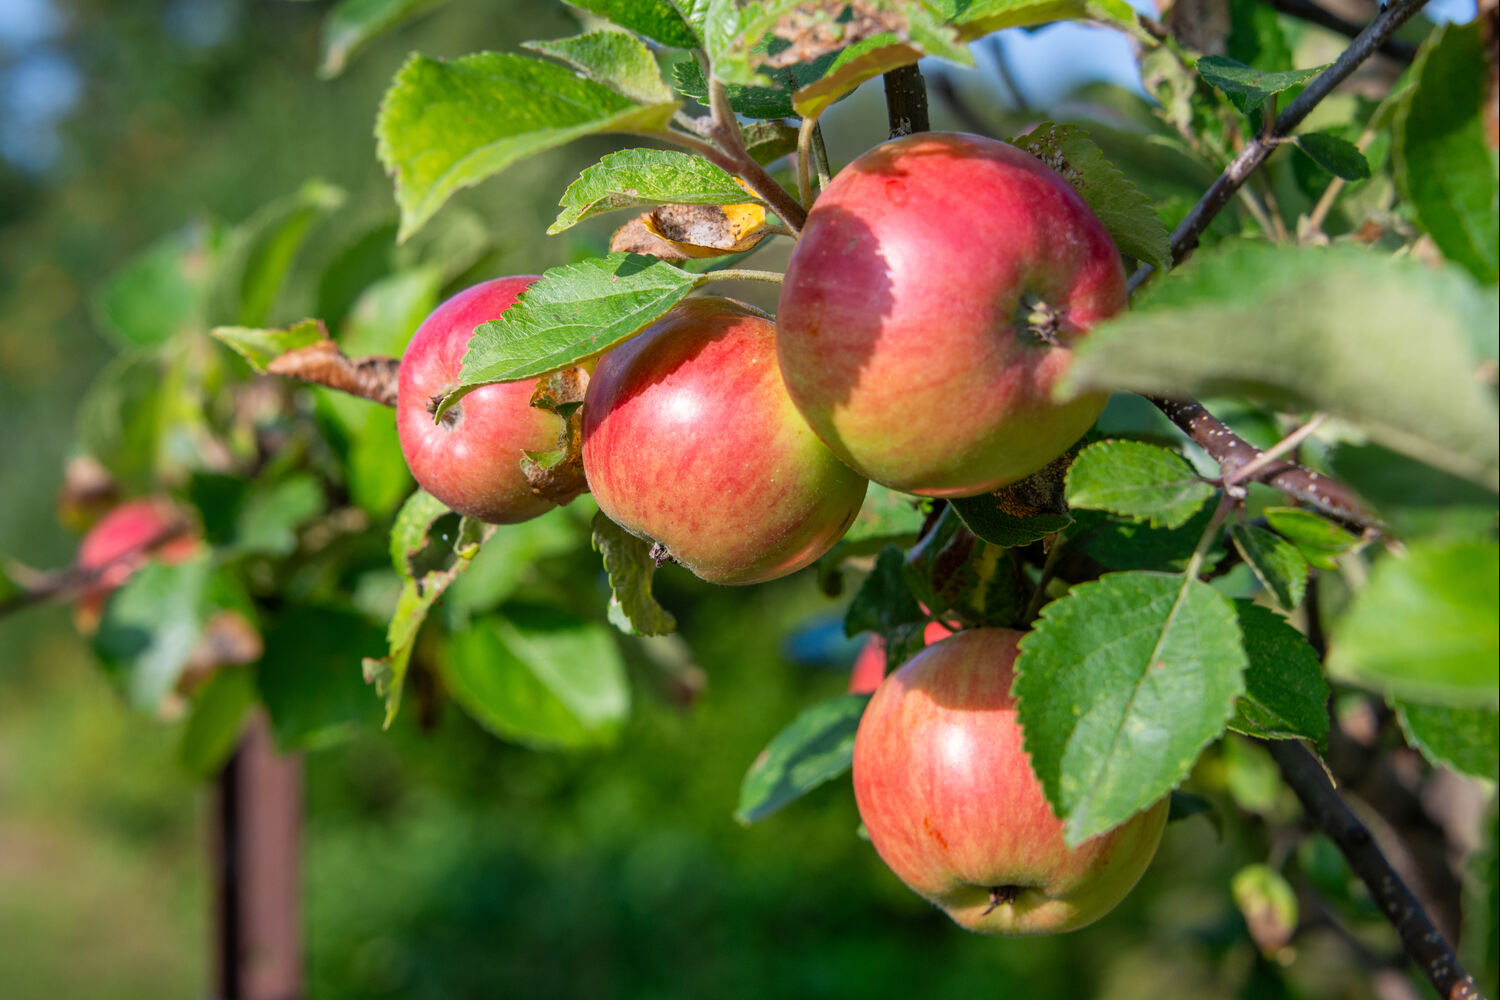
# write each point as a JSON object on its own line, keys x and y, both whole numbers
{"x": 1400, "y": 51}
{"x": 906, "y": 101}
{"x": 68, "y": 583}
{"x": 1431, "y": 952}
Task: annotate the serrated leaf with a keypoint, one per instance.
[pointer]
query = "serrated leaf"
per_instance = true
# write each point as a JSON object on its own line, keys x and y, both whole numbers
{"x": 1120, "y": 685}
{"x": 658, "y": 20}
{"x": 635, "y": 177}
{"x": 310, "y": 678}
{"x": 1317, "y": 538}
{"x": 430, "y": 547}
{"x": 817, "y": 747}
{"x": 541, "y": 677}
{"x": 444, "y": 126}
{"x": 1132, "y": 545}
{"x": 162, "y": 291}
{"x": 629, "y": 564}
{"x": 1333, "y": 331}
{"x": 353, "y": 24}
{"x": 765, "y": 103}
{"x": 992, "y": 522}
{"x": 618, "y": 60}
{"x": 260, "y": 346}
{"x": 768, "y": 141}
{"x": 1137, "y": 480}
{"x": 575, "y": 312}
{"x": 1285, "y": 695}
{"x": 1339, "y": 157}
{"x": 1426, "y": 627}
{"x": 883, "y": 602}
{"x": 1464, "y": 739}
{"x": 1443, "y": 164}
{"x": 1246, "y": 87}
{"x": 259, "y": 254}
{"x": 1123, "y": 208}
{"x": 151, "y": 626}
{"x": 1276, "y": 563}
{"x": 880, "y": 54}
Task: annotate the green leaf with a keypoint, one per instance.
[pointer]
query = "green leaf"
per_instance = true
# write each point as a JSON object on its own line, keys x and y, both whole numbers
{"x": 1131, "y": 545}
{"x": 1339, "y": 157}
{"x": 162, "y": 291}
{"x": 353, "y": 24}
{"x": 507, "y": 561}
{"x": 883, "y": 601}
{"x": 1379, "y": 341}
{"x": 817, "y": 747}
{"x": 1137, "y": 480}
{"x": 260, "y": 253}
{"x": 999, "y": 522}
{"x": 1120, "y": 685}
{"x": 430, "y": 547}
{"x": 1276, "y": 563}
{"x": 618, "y": 60}
{"x": 260, "y": 346}
{"x": 541, "y": 677}
{"x": 1317, "y": 538}
{"x": 635, "y": 177}
{"x": 575, "y": 312}
{"x": 220, "y": 709}
{"x": 1411, "y": 497}
{"x": 886, "y": 514}
{"x": 658, "y": 20}
{"x": 150, "y": 627}
{"x": 309, "y": 677}
{"x": 1426, "y": 627}
{"x": 1285, "y": 695}
{"x": 768, "y": 141}
{"x": 1442, "y": 162}
{"x": 1248, "y": 88}
{"x": 753, "y": 102}
{"x": 976, "y": 18}
{"x": 444, "y": 126}
{"x": 1464, "y": 739}
{"x": 119, "y": 420}
{"x": 629, "y": 564}
{"x": 1123, "y": 208}
{"x": 1255, "y": 35}
{"x": 880, "y": 54}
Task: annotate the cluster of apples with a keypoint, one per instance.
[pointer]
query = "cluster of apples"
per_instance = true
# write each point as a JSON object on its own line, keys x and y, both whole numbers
{"x": 928, "y": 310}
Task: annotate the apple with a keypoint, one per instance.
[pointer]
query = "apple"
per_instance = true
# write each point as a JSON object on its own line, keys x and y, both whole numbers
{"x": 947, "y": 793}
{"x": 471, "y": 459}
{"x": 869, "y": 666}
{"x": 931, "y": 305}
{"x": 124, "y": 540}
{"x": 689, "y": 440}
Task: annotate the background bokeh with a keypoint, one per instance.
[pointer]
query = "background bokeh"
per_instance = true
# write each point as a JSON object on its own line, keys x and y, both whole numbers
{"x": 439, "y": 862}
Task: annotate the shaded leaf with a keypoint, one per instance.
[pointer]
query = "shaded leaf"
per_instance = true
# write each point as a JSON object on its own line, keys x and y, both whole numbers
{"x": 886, "y": 514}
{"x": 630, "y": 566}
{"x": 353, "y": 24}
{"x": 259, "y": 254}
{"x": 1426, "y": 627}
{"x": 310, "y": 677}
{"x": 1120, "y": 685}
{"x": 1131, "y": 545}
{"x": 1464, "y": 739}
{"x": 883, "y": 601}
{"x": 815, "y": 748}
{"x": 151, "y": 626}
{"x": 162, "y": 291}
{"x": 1248, "y": 88}
{"x": 1276, "y": 563}
{"x": 1339, "y": 157}
{"x": 634, "y": 177}
{"x": 1285, "y": 695}
{"x": 220, "y": 709}
{"x": 1317, "y": 538}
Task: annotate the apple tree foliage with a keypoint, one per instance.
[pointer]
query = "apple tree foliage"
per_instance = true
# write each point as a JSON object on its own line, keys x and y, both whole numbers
{"x": 1175, "y": 601}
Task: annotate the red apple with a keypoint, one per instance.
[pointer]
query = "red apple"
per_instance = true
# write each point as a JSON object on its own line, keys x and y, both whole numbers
{"x": 471, "y": 459}
{"x": 869, "y": 666}
{"x": 930, "y": 306}
{"x": 689, "y": 440}
{"x": 947, "y": 793}
{"x": 124, "y": 540}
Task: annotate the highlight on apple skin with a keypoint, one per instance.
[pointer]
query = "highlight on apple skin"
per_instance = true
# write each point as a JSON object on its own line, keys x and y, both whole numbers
{"x": 930, "y": 307}
{"x": 946, "y": 790}
{"x": 471, "y": 459}
{"x": 689, "y": 440}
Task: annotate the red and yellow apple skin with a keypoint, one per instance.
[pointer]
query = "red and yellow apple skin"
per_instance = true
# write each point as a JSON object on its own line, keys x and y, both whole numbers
{"x": 689, "y": 440}
{"x": 471, "y": 459}
{"x": 947, "y": 793}
{"x": 907, "y": 326}
{"x": 124, "y": 540}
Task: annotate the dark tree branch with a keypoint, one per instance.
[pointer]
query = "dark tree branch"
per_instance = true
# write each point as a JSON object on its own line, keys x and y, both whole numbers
{"x": 1185, "y": 236}
{"x": 65, "y": 584}
{"x": 1306, "y": 10}
{"x": 906, "y": 101}
{"x": 1326, "y": 809}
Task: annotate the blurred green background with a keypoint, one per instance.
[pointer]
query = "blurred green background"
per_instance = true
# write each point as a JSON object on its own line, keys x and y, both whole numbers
{"x": 439, "y": 862}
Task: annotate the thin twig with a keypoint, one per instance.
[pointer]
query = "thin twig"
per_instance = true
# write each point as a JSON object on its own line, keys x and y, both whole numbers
{"x": 69, "y": 582}
{"x": 1271, "y": 454}
{"x": 1326, "y": 809}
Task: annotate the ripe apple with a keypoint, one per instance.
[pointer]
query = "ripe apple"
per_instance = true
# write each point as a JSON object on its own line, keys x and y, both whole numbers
{"x": 869, "y": 666}
{"x": 471, "y": 459}
{"x": 689, "y": 440}
{"x": 931, "y": 305}
{"x": 124, "y": 540}
{"x": 946, "y": 790}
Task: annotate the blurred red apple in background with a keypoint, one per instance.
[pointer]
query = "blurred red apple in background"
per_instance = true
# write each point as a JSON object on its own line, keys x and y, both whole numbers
{"x": 124, "y": 540}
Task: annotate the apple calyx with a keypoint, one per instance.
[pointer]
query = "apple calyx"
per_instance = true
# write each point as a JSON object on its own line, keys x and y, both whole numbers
{"x": 1040, "y": 320}
{"x": 1001, "y": 895}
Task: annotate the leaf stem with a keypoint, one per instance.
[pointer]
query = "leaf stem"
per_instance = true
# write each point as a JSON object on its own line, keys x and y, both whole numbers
{"x": 1206, "y": 541}
{"x": 1049, "y": 570}
{"x": 739, "y": 274}
{"x": 804, "y": 160}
